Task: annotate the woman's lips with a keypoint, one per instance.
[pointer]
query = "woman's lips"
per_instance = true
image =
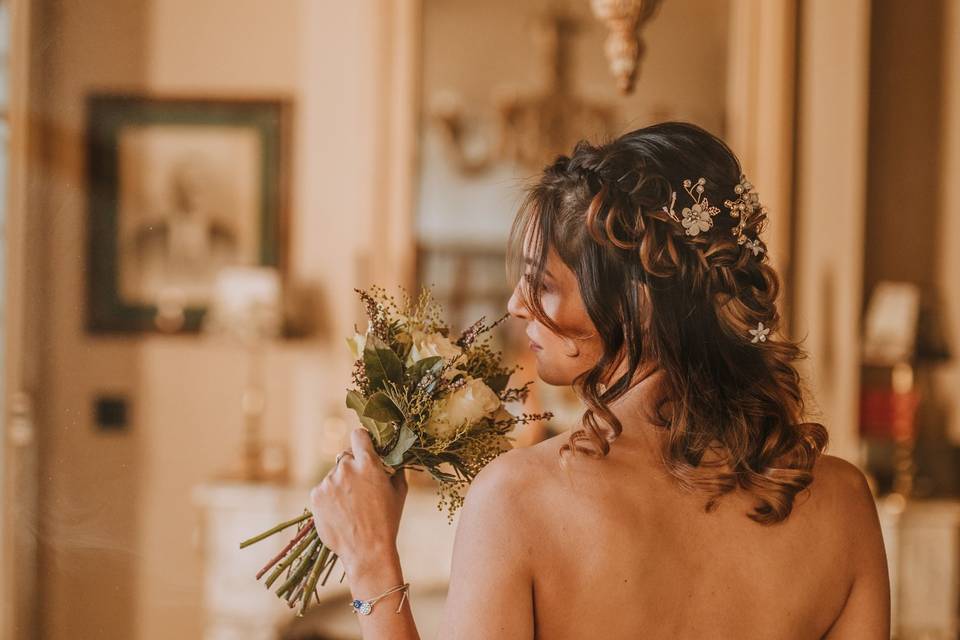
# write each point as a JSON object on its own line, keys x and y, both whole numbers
{"x": 535, "y": 346}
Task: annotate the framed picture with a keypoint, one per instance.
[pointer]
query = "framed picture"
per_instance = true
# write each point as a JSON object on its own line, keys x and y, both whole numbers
{"x": 178, "y": 190}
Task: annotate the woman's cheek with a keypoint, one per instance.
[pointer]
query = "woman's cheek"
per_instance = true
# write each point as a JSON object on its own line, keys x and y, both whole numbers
{"x": 551, "y": 306}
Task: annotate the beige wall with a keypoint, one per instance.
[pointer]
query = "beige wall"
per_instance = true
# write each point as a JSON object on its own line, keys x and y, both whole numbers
{"x": 831, "y": 178}
{"x": 88, "y": 512}
{"x": 118, "y": 529}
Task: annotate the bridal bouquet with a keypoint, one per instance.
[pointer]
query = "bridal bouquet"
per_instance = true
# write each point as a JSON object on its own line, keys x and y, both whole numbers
{"x": 430, "y": 403}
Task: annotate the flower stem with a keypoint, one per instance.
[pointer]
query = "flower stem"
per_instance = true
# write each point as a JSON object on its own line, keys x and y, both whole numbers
{"x": 333, "y": 561}
{"x": 295, "y": 595}
{"x": 277, "y": 558}
{"x": 277, "y": 529}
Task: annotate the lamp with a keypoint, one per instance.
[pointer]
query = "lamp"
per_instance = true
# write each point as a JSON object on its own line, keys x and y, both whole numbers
{"x": 246, "y": 307}
{"x": 535, "y": 125}
{"x": 901, "y": 338}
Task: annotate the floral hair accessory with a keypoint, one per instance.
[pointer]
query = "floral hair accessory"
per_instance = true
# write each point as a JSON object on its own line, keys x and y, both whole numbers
{"x": 755, "y": 246}
{"x": 698, "y": 217}
{"x": 760, "y": 333}
{"x": 741, "y": 209}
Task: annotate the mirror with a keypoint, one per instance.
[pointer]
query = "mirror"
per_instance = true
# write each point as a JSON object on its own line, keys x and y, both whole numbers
{"x": 490, "y": 123}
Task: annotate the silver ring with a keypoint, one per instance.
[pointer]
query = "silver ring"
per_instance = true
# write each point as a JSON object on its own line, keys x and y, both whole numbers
{"x": 341, "y": 454}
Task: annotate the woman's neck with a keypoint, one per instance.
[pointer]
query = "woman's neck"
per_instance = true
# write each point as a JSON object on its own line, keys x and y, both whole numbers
{"x": 642, "y": 393}
{"x": 637, "y": 403}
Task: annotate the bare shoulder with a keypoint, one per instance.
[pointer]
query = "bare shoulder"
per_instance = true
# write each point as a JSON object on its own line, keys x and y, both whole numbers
{"x": 512, "y": 485}
{"x": 513, "y": 473}
{"x": 849, "y": 515}
{"x": 843, "y": 486}
{"x": 843, "y": 502}
{"x": 839, "y": 470}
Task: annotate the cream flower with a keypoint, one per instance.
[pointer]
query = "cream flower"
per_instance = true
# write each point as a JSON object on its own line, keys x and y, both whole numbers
{"x": 426, "y": 345}
{"x": 468, "y": 405}
{"x": 357, "y": 344}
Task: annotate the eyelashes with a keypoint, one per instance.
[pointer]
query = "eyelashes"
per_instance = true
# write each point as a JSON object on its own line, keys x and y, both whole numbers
{"x": 534, "y": 287}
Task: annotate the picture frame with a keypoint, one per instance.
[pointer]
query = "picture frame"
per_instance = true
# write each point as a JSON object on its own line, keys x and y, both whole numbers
{"x": 179, "y": 188}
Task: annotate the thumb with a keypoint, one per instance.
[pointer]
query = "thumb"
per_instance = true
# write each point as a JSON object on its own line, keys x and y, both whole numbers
{"x": 362, "y": 444}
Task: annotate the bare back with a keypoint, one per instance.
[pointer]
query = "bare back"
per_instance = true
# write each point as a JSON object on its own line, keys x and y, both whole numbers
{"x": 617, "y": 549}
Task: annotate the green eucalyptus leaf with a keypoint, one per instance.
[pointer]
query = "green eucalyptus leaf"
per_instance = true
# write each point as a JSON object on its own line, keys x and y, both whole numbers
{"x": 357, "y": 402}
{"x": 405, "y": 440}
{"x": 387, "y": 430}
{"x": 420, "y": 368}
{"x": 381, "y": 408}
{"x": 381, "y": 363}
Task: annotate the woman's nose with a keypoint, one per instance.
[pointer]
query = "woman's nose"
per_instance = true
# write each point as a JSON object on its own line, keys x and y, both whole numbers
{"x": 516, "y": 307}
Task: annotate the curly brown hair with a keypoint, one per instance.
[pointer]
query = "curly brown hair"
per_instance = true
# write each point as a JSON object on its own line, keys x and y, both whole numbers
{"x": 662, "y": 299}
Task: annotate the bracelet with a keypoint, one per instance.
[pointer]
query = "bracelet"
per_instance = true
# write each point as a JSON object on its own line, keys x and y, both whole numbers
{"x": 365, "y": 607}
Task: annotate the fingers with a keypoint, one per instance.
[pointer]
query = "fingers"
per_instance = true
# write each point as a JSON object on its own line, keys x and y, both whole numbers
{"x": 316, "y": 496}
{"x": 362, "y": 445}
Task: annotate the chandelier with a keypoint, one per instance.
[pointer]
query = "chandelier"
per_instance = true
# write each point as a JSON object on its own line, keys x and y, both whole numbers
{"x": 624, "y": 46}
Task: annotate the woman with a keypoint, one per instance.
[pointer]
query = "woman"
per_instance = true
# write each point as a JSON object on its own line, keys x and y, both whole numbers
{"x": 692, "y": 501}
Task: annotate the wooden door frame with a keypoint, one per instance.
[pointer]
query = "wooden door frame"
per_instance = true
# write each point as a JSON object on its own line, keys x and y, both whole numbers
{"x": 399, "y": 53}
{"x": 761, "y": 114}
{"x": 22, "y": 314}
{"x": 833, "y": 105}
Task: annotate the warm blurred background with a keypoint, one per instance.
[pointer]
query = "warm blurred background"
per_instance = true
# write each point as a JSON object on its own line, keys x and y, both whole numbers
{"x": 192, "y": 189}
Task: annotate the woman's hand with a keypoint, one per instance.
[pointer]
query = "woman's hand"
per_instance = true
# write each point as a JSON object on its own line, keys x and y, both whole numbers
{"x": 357, "y": 507}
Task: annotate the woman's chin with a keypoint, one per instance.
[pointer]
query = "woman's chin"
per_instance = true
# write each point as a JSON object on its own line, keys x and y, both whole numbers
{"x": 552, "y": 376}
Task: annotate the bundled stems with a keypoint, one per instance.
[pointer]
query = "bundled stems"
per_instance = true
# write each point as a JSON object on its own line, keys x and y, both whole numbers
{"x": 302, "y": 567}
{"x": 318, "y": 567}
{"x": 304, "y": 560}
{"x": 291, "y": 557}
{"x": 303, "y": 532}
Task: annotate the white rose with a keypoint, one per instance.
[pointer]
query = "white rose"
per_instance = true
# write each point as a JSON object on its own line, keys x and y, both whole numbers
{"x": 466, "y": 406}
{"x": 427, "y": 345}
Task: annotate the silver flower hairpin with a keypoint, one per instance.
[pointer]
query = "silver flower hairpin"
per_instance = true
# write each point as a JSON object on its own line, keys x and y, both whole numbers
{"x": 698, "y": 217}
{"x": 760, "y": 333}
{"x": 755, "y": 246}
{"x": 743, "y": 208}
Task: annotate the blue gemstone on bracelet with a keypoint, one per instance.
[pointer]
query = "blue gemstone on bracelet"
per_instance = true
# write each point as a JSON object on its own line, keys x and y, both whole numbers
{"x": 362, "y": 607}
